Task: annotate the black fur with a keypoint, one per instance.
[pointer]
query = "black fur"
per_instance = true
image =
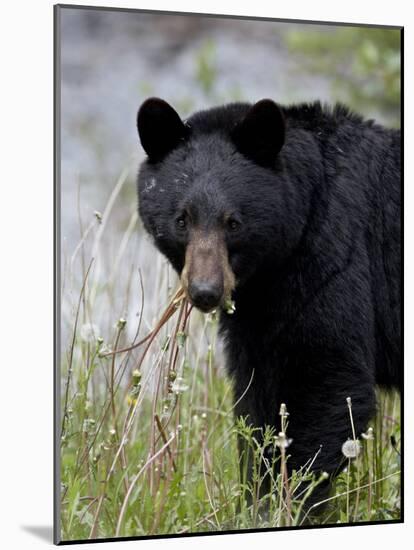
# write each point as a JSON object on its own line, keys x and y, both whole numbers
{"x": 317, "y": 259}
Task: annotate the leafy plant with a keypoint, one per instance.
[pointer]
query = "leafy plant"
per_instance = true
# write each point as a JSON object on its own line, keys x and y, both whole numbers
{"x": 365, "y": 64}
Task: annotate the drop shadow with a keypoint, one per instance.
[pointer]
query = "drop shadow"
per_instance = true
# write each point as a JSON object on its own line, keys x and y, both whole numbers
{"x": 43, "y": 532}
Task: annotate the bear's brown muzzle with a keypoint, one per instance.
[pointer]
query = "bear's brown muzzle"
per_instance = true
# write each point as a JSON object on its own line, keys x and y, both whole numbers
{"x": 207, "y": 276}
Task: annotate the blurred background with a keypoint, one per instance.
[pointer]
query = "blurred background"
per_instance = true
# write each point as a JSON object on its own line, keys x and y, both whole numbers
{"x": 111, "y": 61}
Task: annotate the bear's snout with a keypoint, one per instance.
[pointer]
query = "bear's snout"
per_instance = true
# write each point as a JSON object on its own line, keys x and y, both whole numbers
{"x": 205, "y": 295}
{"x": 207, "y": 276}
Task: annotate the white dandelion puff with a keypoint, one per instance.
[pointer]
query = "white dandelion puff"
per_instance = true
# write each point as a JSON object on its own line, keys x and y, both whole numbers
{"x": 351, "y": 448}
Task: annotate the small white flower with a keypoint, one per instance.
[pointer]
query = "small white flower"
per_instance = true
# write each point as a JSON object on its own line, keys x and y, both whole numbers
{"x": 283, "y": 410}
{"x": 179, "y": 385}
{"x": 89, "y": 332}
{"x": 88, "y": 425}
{"x": 368, "y": 435}
{"x": 282, "y": 441}
{"x": 351, "y": 448}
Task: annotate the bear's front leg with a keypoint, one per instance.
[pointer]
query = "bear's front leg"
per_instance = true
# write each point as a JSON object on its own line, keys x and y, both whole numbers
{"x": 314, "y": 387}
{"x": 321, "y": 390}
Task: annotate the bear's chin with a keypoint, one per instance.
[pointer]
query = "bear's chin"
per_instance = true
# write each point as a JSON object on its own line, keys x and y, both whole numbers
{"x": 205, "y": 310}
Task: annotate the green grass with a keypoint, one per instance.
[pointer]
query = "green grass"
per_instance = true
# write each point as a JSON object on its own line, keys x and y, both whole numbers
{"x": 148, "y": 435}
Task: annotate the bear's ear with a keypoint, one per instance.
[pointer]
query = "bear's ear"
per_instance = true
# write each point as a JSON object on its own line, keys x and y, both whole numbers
{"x": 160, "y": 128}
{"x": 261, "y": 133}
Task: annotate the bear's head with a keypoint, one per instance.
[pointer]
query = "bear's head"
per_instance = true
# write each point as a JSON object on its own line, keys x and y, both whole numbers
{"x": 213, "y": 193}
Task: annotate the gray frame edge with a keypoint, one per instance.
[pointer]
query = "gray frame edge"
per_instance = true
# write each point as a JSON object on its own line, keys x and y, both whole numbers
{"x": 57, "y": 269}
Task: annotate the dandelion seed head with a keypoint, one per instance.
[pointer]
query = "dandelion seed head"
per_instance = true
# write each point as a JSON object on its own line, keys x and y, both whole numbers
{"x": 351, "y": 448}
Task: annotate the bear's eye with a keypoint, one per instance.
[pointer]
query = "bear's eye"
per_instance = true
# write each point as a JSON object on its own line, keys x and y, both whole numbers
{"x": 232, "y": 224}
{"x": 181, "y": 222}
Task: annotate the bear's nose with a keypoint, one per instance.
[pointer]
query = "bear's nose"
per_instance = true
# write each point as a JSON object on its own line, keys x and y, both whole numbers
{"x": 205, "y": 296}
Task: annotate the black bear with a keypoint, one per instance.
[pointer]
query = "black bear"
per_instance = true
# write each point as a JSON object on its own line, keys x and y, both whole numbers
{"x": 288, "y": 220}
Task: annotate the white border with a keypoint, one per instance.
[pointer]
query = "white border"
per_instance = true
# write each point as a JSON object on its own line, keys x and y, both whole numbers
{"x": 26, "y": 284}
